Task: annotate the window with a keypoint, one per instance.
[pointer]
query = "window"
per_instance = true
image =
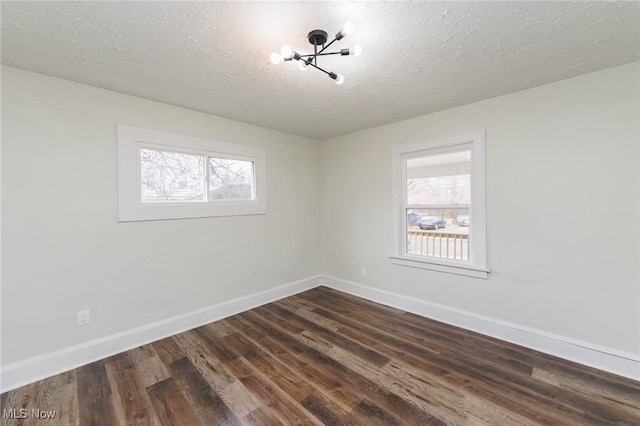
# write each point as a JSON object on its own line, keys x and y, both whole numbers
{"x": 177, "y": 176}
{"x": 439, "y": 205}
{"x": 167, "y": 176}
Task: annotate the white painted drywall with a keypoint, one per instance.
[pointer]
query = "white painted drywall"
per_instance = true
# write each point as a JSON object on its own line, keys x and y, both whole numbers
{"x": 64, "y": 250}
{"x": 563, "y": 166}
{"x": 562, "y": 207}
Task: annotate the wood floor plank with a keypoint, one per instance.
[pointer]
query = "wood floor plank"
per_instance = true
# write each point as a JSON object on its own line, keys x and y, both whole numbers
{"x": 262, "y": 416}
{"x": 95, "y": 403}
{"x": 60, "y": 397}
{"x": 328, "y": 412}
{"x": 206, "y": 403}
{"x": 373, "y": 415}
{"x": 283, "y": 407}
{"x": 231, "y": 391}
{"x": 219, "y": 329}
{"x": 294, "y": 304}
{"x": 367, "y": 386}
{"x": 17, "y": 402}
{"x": 269, "y": 365}
{"x": 131, "y": 402}
{"x": 49, "y": 402}
{"x": 240, "y": 344}
{"x": 216, "y": 346}
{"x": 151, "y": 368}
{"x": 170, "y": 406}
{"x": 280, "y": 316}
{"x": 567, "y": 404}
{"x": 52, "y": 401}
{"x": 332, "y": 387}
{"x": 168, "y": 351}
{"x": 325, "y": 357}
{"x": 618, "y": 396}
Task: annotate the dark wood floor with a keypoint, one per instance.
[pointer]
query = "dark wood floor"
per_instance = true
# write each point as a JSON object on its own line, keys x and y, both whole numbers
{"x": 324, "y": 357}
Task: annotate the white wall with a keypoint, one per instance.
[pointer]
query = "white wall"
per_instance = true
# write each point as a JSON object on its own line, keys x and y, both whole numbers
{"x": 562, "y": 204}
{"x": 64, "y": 250}
{"x": 563, "y": 165}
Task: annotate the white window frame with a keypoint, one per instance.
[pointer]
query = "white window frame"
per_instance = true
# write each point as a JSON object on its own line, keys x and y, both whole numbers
{"x": 130, "y": 206}
{"x": 476, "y": 266}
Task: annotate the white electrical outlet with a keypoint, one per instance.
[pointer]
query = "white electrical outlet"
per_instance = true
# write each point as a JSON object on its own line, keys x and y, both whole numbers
{"x": 83, "y": 317}
{"x": 364, "y": 271}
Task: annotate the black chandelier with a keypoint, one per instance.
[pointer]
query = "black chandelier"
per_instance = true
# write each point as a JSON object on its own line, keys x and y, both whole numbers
{"x": 318, "y": 38}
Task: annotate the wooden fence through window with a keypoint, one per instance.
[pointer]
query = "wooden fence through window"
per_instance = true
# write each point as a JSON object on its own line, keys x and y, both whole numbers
{"x": 445, "y": 245}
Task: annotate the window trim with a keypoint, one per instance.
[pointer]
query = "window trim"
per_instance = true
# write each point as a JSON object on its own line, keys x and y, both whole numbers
{"x": 477, "y": 264}
{"x": 130, "y": 207}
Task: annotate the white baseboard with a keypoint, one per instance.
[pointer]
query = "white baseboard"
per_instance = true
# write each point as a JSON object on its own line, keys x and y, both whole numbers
{"x": 601, "y": 357}
{"x": 33, "y": 369}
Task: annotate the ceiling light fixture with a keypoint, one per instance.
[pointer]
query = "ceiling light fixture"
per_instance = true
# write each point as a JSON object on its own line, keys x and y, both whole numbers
{"x": 318, "y": 38}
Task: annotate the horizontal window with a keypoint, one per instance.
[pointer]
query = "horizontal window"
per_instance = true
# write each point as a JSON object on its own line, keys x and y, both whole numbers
{"x": 167, "y": 176}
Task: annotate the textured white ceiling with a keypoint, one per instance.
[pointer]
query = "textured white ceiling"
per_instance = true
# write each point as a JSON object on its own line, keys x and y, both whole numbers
{"x": 419, "y": 57}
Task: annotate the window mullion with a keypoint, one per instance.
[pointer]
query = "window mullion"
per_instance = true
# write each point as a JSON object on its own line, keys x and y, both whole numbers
{"x": 438, "y": 206}
{"x": 206, "y": 179}
{"x": 404, "y": 226}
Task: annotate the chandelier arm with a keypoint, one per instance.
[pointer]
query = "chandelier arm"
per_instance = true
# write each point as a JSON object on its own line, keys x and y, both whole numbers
{"x": 327, "y": 45}
{"x": 318, "y": 68}
{"x": 321, "y": 54}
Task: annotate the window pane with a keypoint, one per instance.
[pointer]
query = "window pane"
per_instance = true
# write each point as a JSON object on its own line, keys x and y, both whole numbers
{"x": 439, "y": 191}
{"x": 171, "y": 176}
{"x": 230, "y": 179}
{"x": 442, "y": 232}
{"x": 439, "y": 179}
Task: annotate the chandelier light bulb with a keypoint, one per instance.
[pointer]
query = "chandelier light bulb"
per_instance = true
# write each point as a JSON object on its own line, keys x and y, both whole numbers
{"x": 276, "y": 58}
{"x": 286, "y": 51}
{"x": 340, "y": 79}
{"x": 357, "y": 50}
{"x": 303, "y": 65}
{"x": 349, "y": 28}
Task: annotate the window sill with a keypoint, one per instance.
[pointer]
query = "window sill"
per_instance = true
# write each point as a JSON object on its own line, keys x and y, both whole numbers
{"x": 450, "y": 268}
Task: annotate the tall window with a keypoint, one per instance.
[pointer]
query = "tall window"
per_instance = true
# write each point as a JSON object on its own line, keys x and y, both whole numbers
{"x": 167, "y": 176}
{"x": 439, "y": 205}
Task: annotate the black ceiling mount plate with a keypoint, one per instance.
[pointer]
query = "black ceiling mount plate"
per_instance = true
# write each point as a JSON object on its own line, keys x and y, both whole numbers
{"x": 317, "y": 37}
